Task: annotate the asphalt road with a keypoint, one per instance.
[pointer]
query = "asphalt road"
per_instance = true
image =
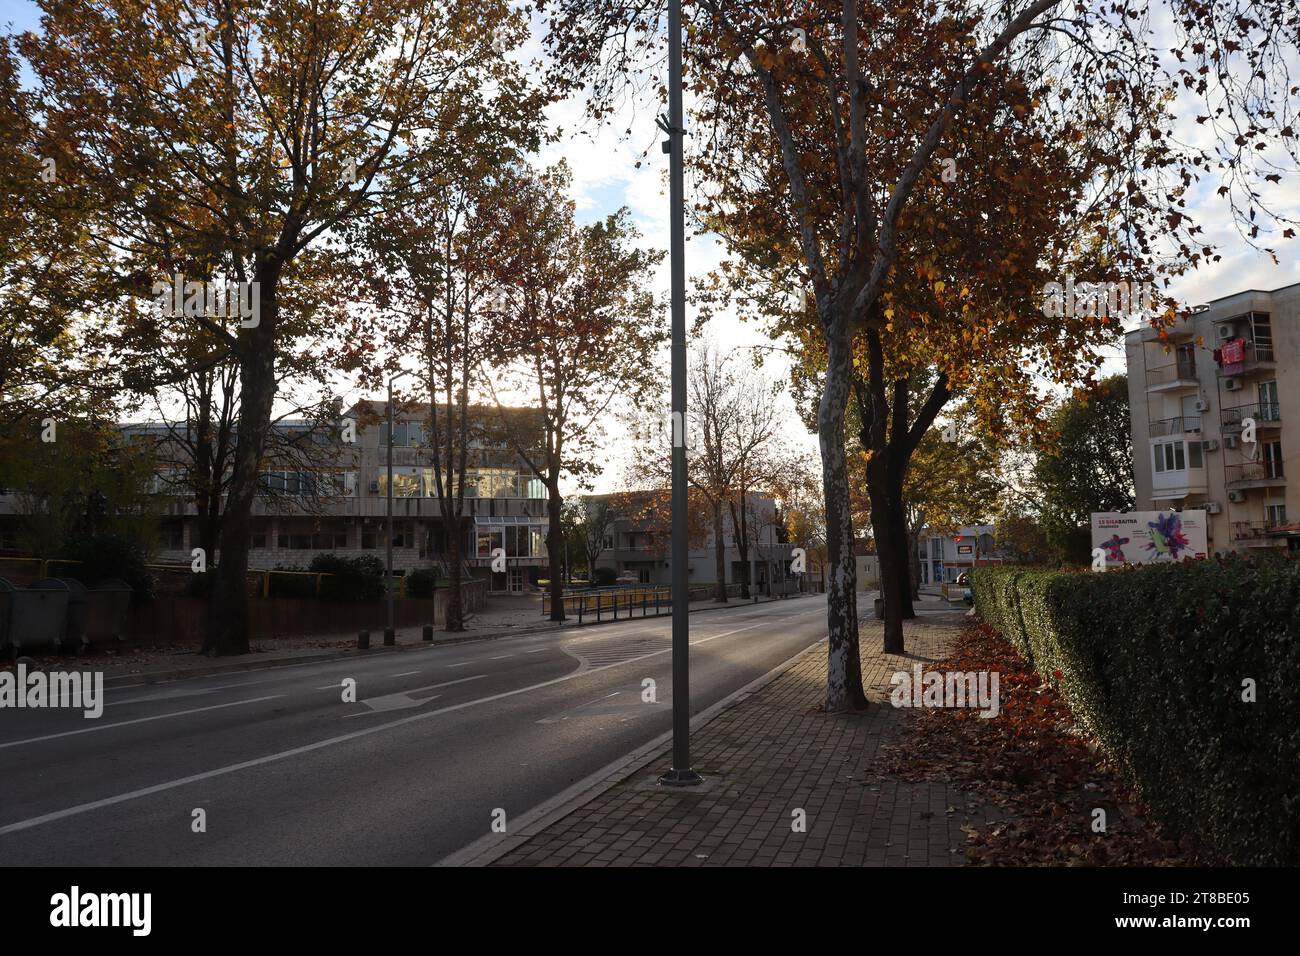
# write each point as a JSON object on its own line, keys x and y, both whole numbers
{"x": 437, "y": 741}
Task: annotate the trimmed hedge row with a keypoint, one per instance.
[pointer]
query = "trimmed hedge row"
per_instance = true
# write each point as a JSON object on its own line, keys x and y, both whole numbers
{"x": 1153, "y": 661}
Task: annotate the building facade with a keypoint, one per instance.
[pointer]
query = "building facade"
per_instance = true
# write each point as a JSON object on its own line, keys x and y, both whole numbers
{"x": 334, "y": 500}
{"x": 638, "y": 541}
{"x": 944, "y": 556}
{"x": 1215, "y": 409}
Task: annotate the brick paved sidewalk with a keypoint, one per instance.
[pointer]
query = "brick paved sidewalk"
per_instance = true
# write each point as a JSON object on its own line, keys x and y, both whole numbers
{"x": 765, "y": 757}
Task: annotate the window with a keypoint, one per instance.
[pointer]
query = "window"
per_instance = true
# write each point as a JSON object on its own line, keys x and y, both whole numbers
{"x": 1269, "y": 410}
{"x": 404, "y": 485}
{"x": 1275, "y": 515}
{"x": 1273, "y": 459}
{"x": 1186, "y": 359}
{"x": 1169, "y": 456}
{"x": 1194, "y": 456}
{"x": 171, "y": 536}
{"x": 259, "y": 541}
{"x": 368, "y": 540}
{"x": 8, "y": 538}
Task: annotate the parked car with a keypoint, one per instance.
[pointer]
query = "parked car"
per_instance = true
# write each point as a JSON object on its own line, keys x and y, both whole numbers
{"x": 627, "y": 578}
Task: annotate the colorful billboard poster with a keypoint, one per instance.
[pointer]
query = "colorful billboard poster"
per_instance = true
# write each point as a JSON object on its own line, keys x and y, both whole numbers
{"x": 1146, "y": 537}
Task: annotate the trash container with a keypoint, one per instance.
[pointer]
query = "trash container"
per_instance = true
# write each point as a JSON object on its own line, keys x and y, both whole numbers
{"x": 74, "y": 633}
{"x": 39, "y": 614}
{"x": 109, "y": 603}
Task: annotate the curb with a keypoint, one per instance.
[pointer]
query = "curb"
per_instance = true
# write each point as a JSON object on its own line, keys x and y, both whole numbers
{"x": 491, "y": 847}
{"x": 235, "y": 667}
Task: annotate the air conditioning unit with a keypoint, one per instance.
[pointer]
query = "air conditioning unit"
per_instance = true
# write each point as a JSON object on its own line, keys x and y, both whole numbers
{"x": 1211, "y": 445}
{"x": 1236, "y": 497}
{"x": 374, "y": 487}
{"x": 1230, "y": 441}
{"x": 1226, "y": 331}
{"x": 1202, "y": 405}
{"x": 1213, "y": 507}
{"x": 1231, "y": 384}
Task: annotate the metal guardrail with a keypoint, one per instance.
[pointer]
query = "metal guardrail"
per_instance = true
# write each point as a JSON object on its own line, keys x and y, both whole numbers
{"x": 1270, "y": 470}
{"x": 1166, "y": 374}
{"x": 1175, "y": 426}
{"x": 1262, "y": 412}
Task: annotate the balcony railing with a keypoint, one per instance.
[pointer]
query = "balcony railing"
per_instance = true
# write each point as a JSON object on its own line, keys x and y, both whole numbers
{"x": 1255, "y": 471}
{"x": 1262, "y": 412}
{"x": 1176, "y": 426}
{"x": 1245, "y": 530}
{"x": 1167, "y": 374}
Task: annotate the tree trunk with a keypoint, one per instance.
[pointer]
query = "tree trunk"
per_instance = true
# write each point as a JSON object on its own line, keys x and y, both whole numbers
{"x": 901, "y": 539}
{"x": 555, "y": 545}
{"x": 914, "y": 549}
{"x": 892, "y": 570}
{"x": 742, "y": 545}
{"x": 228, "y": 627}
{"x": 719, "y": 555}
{"x": 455, "y": 574}
{"x": 843, "y": 666}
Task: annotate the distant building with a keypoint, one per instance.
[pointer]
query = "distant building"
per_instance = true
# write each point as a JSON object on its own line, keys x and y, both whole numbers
{"x": 639, "y": 541}
{"x": 1194, "y": 396}
{"x": 944, "y": 556}
{"x": 338, "y": 504}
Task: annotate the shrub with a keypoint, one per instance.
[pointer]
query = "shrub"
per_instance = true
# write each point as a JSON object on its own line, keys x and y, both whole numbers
{"x": 603, "y": 577}
{"x": 421, "y": 583}
{"x": 106, "y": 556}
{"x": 1152, "y": 660}
{"x": 352, "y": 579}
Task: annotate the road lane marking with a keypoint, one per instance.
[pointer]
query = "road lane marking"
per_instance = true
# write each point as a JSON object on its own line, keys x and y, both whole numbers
{"x": 461, "y": 664}
{"x": 137, "y": 720}
{"x": 537, "y": 650}
{"x": 318, "y": 745}
{"x": 404, "y": 674}
{"x": 501, "y": 658}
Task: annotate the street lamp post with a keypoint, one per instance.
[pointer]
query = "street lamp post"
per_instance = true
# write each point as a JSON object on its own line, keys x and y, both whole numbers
{"x": 680, "y": 774}
{"x": 390, "y": 632}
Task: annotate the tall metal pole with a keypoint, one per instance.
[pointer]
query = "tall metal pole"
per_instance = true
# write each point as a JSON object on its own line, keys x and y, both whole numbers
{"x": 681, "y": 774}
{"x": 390, "y": 634}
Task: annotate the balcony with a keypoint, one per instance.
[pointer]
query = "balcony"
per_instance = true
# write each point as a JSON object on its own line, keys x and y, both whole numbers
{"x": 1176, "y": 377}
{"x": 1256, "y": 533}
{"x": 1265, "y": 414}
{"x": 1254, "y": 359}
{"x": 1175, "y": 426}
{"x": 1178, "y": 484}
{"x": 1254, "y": 474}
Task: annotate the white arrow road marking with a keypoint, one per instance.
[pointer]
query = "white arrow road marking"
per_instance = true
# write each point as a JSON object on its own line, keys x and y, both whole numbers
{"x": 403, "y": 700}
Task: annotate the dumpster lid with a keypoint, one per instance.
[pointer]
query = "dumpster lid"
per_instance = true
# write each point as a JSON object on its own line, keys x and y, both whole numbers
{"x": 73, "y": 584}
{"x": 113, "y": 584}
{"x": 48, "y": 584}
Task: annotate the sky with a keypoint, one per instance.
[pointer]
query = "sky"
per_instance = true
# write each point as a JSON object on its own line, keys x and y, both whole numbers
{"x": 606, "y": 177}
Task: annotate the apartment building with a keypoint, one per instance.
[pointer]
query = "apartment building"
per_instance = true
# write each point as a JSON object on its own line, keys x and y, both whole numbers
{"x": 638, "y": 540}
{"x": 1216, "y": 413}
{"x": 331, "y": 497}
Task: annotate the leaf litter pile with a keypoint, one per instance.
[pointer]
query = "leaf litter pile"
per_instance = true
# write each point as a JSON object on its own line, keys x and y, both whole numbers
{"x": 1034, "y": 763}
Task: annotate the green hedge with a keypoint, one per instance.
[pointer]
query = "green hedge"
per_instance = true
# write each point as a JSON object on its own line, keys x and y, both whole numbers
{"x": 1152, "y": 661}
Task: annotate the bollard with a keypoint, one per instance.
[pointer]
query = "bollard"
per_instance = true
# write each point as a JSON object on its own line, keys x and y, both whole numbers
{"x": 390, "y": 637}
{"x": 363, "y": 641}
{"x": 428, "y": 632}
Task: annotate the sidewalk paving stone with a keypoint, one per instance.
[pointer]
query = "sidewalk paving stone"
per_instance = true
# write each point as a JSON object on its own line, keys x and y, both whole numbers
{"x": 770, "y": 754}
